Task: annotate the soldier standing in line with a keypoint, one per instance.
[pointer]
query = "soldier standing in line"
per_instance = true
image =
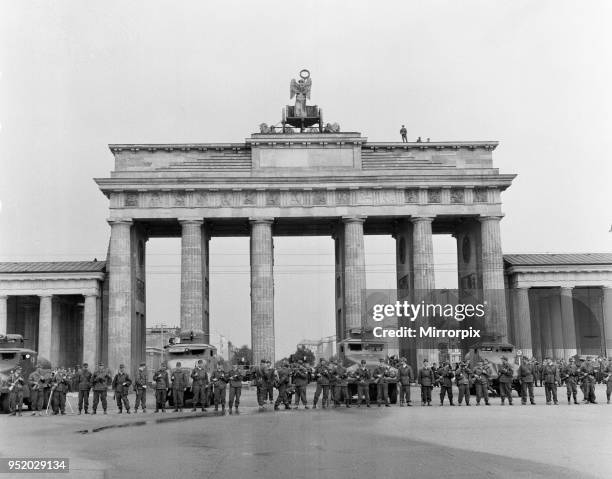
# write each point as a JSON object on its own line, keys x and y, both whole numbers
{"x": 382, "y": 386}
{"x": 140, "y": 388}
{"x": 406, "y": 377}
{"x": 162, "y": 384}
{"x": 179, "y": 384}
{"x": 235, "y": 390}
{"x": 199, "y": 385}
{"x": 121, "y": 385}
{"x": 445, "y": 376}
{"x": 36, "y": 392}
{"x": 570, "y": 375}
{"x": 505, "y": 375}
{"x": 482, "y": 373}
{"x": 526, "y": 378}
{"x": 282, "y": 381}
{"x": 61, "y": 385}
{"x": 340, "y": 378}
{"x": 300, "y": 380}
{"x": 607, "y": 379}
{"x": 16, "y": 384}
{"x": 270, "y": 378}
{"x": 322, "y": 376}
{"x": 219, "y": 380}
{"x": 463, "y": 378}
{"x": 362, "y": 375}
{"x": 426, "y": 380}
{"x": 260, "y": 383}
{"x": 550, "y": 376}
{"x": 46, "y": 385}
{"x": 333, "y": 382}
{"x": 83, "y": 382}
{"x": 100, "y": 381}
{"x": 537, "y": 373}
{"x": 588, "y": 380}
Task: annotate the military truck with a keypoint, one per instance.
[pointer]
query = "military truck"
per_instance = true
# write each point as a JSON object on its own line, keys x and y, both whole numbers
{"x": 352, "y": 350}
{"x": 186, "y": 350}
{"x": 493, "y": 351}
{"x": 13, "y": 354}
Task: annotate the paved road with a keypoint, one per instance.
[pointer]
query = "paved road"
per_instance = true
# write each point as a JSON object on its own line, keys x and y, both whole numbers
{"x": 421, "y": 442}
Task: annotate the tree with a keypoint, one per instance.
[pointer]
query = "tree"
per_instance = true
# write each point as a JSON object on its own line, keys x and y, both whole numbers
{"x": 243, "y": 356}
{"x": 303, "y": 354}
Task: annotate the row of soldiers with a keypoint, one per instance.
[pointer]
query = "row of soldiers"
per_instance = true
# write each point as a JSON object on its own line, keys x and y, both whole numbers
{"x": 552, "y": 374}
{"x": 332, "y": 381}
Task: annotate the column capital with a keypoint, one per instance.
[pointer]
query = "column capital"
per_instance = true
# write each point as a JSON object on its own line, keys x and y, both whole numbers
{"x": 45, "y": 295}
{"x": 353, "y": 219}
{"x": 118, "y": 221}
{"x": 255, "y": 221}
{"x": 566, "y": 288}
{"x": 422, "y": 219}
{"x": 3, "y": 297}
{"x": 191, "y": 221}
{"x": 91, "y": 295}
{"x": 490, "y": 218}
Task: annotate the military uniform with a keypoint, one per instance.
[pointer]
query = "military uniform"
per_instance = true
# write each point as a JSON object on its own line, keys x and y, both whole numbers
{"x": 445, "y": 377}
{"x": 406, "y": 376}
{"x": 505, "y": 375}
{"x": 162, "y": 384}
{"x": 270, "y": 376}
{"x": 587, "y": 372}
{"x": 283, "y": 380}
{"x": 36, "y": 391}
{"x": 300, "y": 381}
{"x": 121, "y": 385}
{"x": 550, "y": 376}
{"x": 608, "y": 380}
{"x": 99, "y": 380}
{"x": 261, "y": 382}
{"x": 570, "y": 375}
{"x": 83, "y": 385}
{"x": 426, "y": 380}
{"x": 526, "y": 378}
{"x": 362, "y": 376}
{"x": 235, "y": 390}
{"x": 199, "y": 387}
{"x": 61, "y": 385}
{"x": 382, "y": 386}
{"x": 140, "y": 388}
{"x": 463, "y": 380}
{"x": 16, "y": 385}
{"x": 219, "y": 379}
{"x": 481, "y": 383}
{"x": 340, "y": 375}
{"x": 46, "y": 385}
{"x": 322, "y": 375}
{"x": 179, "y": 384}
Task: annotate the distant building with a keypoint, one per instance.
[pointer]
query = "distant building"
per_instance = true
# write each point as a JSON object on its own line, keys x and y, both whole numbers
{"x": 321, "y": 348}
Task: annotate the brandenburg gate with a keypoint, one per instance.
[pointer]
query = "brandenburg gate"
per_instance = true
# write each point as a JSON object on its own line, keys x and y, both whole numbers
{"x": 312, "y": 182}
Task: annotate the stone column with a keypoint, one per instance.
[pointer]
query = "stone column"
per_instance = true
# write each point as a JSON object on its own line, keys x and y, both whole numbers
{"x": 568, "y": 324}
{"x": 607, "y": 319}
{"x": 90, "y": 330}
{"x": 522, "y": 317}
{"x": 493, "y": 278}
{"x": 424, "y": 281}
{"x": 262, "y": 290}
{"x": 191, "y": 277}
{"x": 545, "y": 325}
{"x": 354, "y": 271}
{"x": 556, "y": 326}
{"x": 405, "y": 283}
{"x": 45, "y": 322}
{"x": 3, "y": 314}
{"x": 120, "y": 296}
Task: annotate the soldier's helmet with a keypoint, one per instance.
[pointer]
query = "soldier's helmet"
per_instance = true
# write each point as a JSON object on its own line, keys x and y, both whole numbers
{"x": 403, "y": 360}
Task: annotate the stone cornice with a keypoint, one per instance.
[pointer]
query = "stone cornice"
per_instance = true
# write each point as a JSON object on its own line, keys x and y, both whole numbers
{"x": 302, "y": 139}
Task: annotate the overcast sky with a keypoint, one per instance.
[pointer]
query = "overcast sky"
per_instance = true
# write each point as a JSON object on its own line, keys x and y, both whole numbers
{"x": 76, "y": 76}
